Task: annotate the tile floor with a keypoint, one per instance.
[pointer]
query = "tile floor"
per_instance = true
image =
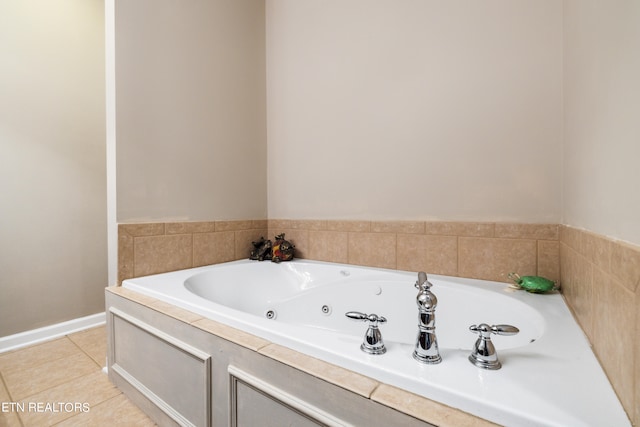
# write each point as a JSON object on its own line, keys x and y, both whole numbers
{"x": 61, "y": 383}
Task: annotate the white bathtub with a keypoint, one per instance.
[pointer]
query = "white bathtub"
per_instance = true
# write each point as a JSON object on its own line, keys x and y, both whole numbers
{"x": 549, "y": 375}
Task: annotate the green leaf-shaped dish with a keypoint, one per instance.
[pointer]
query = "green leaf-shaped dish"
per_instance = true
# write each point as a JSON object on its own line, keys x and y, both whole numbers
{"x": 534, "y": 284}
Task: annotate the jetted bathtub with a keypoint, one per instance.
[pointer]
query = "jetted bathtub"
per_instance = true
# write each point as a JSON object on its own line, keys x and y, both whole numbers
{"x": 549, "y": 375}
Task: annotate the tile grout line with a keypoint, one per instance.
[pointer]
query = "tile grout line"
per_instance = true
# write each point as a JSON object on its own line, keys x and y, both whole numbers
{"x": 458, "y": 256}
{"x": 6, "y": 387}
{"x": 133, "y": 260}
{"x": 3, "y": 383}
{"x": 84, "y": 352}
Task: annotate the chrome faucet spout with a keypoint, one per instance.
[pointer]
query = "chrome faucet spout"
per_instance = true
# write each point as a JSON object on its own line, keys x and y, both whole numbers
{"x": 422, "y": 280}
{"x": 426, "y": 349}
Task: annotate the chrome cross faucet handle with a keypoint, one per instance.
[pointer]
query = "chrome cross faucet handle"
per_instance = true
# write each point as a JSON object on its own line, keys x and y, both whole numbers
{"x": 426, "y": 349}
{"x": 373, "y": 343}
{"x": 484, "y": 353}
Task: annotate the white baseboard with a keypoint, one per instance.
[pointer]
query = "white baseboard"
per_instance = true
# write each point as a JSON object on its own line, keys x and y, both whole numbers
{"x": 35, "y": 336}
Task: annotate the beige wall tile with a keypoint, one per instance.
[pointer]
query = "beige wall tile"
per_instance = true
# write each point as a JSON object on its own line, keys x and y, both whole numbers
{"x": 144, "y": 229}
{"x": 494, "y": 259}
{"x": 572, "y": 237}
{"x": 407, "y": 227}
{"x": 577, "y": 286}
{"x": 125, "y": 257}
{"x": 433, "y": 254}
{"x": 233, "y": 225}
{"x": 260, "y": 224}
{"x": 149, "y": 252}
{"x": 373, "y": 249}
{"x": 305, "y": 224}
{"x": 527, "y": 231}
{"x": 625, "y": 264}
{"x": 596, "y": 249}
{"x": 614, "y": 333}
{"x": 565, "y": 270}
{"x": 190, "y": 227}
{"x": 213, "y": 248}
{"x": 354, "y": 226}
{"x": 549, "y": 259}
{"x": 468, "y": 229}
{"x": 158, "y": 254}
{"x": 275, "y": 224}
{"x": 296, "y": 224}
{"x": 329, "y": 246}
{"x": 600, "y": 280}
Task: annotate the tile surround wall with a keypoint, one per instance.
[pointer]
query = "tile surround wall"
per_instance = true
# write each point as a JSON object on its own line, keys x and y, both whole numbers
{"x": 477, "y": 250}
{"x": 600, "y": 277}
{"x": 601, "y": 283}
{"x": 152, "y": 248}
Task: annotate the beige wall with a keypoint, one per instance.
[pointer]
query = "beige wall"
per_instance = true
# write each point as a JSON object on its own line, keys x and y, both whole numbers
{"x": 414, "y": 110}
{"x": 190, "y": 110}
{"x": 601, "y": 110}
{"x": 53, "y": 254}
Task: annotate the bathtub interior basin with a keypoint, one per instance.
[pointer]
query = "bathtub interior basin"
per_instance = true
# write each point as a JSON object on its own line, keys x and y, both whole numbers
{"x": 315, "y": 296}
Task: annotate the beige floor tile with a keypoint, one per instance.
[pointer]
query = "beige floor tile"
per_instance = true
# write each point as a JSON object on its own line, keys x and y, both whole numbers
{"x": 117, "y": 411}
{"x": 8, "y": 414}
{"x": 93, "y": 342}
{"x": 23, "y": 382}
{"x": 35, "y": 355}
{"x": 79, "y": 395}
{"x": 9, "y": 419}
{"x": 4, "y": 394}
